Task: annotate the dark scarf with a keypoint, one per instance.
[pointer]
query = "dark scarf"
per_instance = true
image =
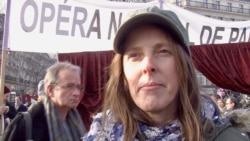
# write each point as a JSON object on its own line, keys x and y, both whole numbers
{"x": 70, "y": 129}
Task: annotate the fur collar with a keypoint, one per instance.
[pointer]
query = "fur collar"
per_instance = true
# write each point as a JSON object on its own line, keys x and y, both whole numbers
{"x": 239, "y": 118}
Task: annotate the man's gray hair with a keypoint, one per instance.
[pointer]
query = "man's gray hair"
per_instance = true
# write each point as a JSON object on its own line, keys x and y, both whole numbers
{"x": 51, "y": 75}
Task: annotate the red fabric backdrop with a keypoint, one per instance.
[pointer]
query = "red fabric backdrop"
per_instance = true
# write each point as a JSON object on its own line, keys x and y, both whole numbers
{"x": 226, "y": 65}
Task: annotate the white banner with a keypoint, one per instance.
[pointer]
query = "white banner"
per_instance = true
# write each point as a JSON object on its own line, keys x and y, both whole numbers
{"x": 205, "y": 30}
{"x": 64, "y": 26}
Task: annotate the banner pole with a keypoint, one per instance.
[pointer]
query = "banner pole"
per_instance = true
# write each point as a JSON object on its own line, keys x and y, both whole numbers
{"x": 3, "y": 60}
{"x": 2, "y": 79}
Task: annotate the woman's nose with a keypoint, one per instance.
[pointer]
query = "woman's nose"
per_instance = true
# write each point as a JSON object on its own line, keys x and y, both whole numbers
{"x": 148, "y": 65}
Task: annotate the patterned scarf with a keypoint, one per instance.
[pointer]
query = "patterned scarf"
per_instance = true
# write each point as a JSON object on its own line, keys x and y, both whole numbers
{"x": 114, "y": 131}
{"x": 169, "y": 132}
{"x": 70, "y": 129}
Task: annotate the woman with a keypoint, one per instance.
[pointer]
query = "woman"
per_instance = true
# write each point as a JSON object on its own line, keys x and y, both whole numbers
{"x": 152, "y": 93}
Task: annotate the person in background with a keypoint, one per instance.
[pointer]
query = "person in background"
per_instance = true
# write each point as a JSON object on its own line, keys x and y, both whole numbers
{"x": 152, "y": 93}
{"x": 231, "y": 104}
{"x": 247, "y": 106}
{"x": 241, "y": 120}
{"x": 214, "y": 97}
{"x": 20, "y": 107}
{"x": 221, "y": 105}
{"x": 40, "y": 93}
{"x": 55, "y": 117}
{"x": 40, "y": 90}
{"x": 3, "y": 109}
{"x": 243, "y": 103}
{"x": 209, "y": 107}
{"x": 10, "y": 111}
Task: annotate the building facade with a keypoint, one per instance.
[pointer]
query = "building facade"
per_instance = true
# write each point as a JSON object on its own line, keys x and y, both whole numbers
{"x": 227, "y": 10}
{"x": 23, "y": 70}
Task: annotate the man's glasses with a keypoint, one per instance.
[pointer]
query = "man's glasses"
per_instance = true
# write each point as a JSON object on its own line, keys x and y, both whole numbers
{"x": 70, "y": 86}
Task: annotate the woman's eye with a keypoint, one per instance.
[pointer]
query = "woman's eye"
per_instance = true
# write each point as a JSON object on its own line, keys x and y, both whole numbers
{"x": 164, "y": 51}
{"x": 133, "y": 55}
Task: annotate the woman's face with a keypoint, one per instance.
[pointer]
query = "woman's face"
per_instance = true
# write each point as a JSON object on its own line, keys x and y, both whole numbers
{"x": 150, "y": 70}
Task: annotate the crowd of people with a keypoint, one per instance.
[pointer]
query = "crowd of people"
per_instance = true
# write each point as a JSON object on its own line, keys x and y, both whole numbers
{"x": 229, "y": 103}
{"x": 152, "y": 93}
{"x": 9, "y": 110}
